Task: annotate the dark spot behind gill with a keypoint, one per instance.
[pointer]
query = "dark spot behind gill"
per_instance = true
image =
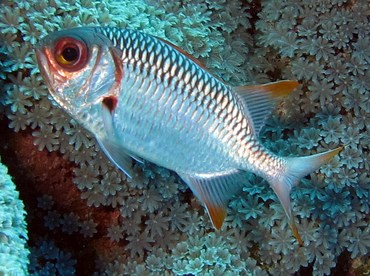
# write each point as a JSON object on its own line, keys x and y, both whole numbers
{"x": 110, "y": 103}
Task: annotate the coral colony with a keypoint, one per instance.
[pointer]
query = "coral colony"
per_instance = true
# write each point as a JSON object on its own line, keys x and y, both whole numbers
{"x": 13, "y": 229}
{"x": 160, "y": 228}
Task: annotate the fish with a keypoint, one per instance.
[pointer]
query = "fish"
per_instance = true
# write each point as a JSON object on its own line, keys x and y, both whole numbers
{"x": 144, "y": 98}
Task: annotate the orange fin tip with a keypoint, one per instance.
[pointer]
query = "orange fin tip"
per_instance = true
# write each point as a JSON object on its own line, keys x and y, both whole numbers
{"x": 217, "y": 215}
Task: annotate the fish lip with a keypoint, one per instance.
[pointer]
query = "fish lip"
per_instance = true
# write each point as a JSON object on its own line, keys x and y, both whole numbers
{"x": 48, "y": 72}
{"x": 43, "y": 65}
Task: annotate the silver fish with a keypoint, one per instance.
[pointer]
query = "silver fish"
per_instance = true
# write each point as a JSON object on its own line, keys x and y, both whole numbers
{"x": 144, "y": 98}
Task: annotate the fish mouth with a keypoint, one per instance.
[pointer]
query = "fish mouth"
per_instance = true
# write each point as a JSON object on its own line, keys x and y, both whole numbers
{"x": 49, "y": 68}
{"x": 50, "y": 74}
{"x": 44, "y": 67}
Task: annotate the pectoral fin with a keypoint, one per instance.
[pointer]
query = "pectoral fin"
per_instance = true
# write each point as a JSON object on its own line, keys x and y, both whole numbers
{"x": 214, "y": 191}
{"x": 109, "y": 143}
{"x": 117, "y": 155}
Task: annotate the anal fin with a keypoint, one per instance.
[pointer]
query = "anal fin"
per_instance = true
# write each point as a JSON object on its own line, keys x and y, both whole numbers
{"x": 215, "y": 190}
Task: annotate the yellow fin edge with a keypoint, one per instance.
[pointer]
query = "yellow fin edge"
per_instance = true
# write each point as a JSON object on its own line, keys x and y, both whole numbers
{"x": 277, "y": 89}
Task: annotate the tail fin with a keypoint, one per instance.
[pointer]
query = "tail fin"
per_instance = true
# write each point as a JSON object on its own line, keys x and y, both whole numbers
{"x": 296, "y": 168}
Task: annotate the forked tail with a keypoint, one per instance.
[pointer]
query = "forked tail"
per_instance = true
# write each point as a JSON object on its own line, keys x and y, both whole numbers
{"x": 295, "y": 169}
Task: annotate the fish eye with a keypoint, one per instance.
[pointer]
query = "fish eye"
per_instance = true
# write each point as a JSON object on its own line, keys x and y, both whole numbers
{"x": 70, "y": 53}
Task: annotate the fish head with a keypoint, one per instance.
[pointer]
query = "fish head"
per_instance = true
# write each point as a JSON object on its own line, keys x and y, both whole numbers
{"x": 80, "y": 67}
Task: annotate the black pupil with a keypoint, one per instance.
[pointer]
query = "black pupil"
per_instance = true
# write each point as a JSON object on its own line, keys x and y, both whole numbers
{"x": 70, "y": 54}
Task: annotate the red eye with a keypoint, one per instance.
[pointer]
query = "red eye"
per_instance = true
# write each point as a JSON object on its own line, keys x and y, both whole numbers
{"x": 71, "y": 53}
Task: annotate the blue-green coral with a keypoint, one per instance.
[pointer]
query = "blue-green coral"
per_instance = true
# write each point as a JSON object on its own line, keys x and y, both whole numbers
{"x": 13, "y": 229}
{"x": 324, "y": 44}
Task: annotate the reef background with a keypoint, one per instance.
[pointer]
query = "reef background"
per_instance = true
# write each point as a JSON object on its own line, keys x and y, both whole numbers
{"x": 85, "y": 217}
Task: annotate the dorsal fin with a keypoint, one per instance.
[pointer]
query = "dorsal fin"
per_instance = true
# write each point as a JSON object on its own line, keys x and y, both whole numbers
{"x": 215, "y": 190}
{"x": 260, "y": 100}
{"x": 189, "y": 56}
{"x": 182, "y": 51}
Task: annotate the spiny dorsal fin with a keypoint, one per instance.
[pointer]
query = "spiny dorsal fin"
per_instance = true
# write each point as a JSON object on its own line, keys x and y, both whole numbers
{"x": 182, "y": 51}
{"x": 215, "y": 190}
{"x": 189, "y": 56}
{"x": 260, "y": 100}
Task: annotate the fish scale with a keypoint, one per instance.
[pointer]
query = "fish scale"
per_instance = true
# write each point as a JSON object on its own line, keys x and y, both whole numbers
{"x": 144, "y": 98}
{"x": 193, "y": 103}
